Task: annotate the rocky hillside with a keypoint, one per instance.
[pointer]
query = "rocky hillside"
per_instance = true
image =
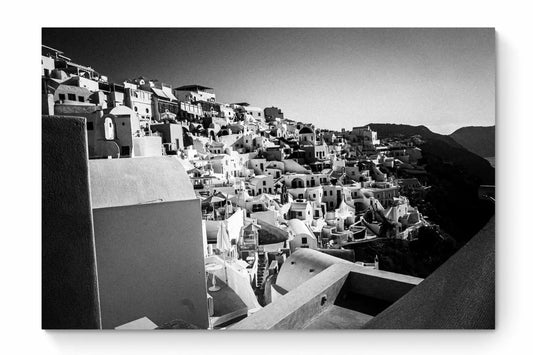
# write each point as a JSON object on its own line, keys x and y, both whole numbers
{"x": 442, "y": 148}
{"x": 454, "y": 174}
{"x": 479, "y": 140}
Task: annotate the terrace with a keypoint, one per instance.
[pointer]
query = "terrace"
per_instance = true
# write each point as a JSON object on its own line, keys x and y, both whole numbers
{"x": 344, "y": 295}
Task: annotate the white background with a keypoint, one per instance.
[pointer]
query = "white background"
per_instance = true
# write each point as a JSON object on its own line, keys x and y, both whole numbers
{"x": 21, "y": 178}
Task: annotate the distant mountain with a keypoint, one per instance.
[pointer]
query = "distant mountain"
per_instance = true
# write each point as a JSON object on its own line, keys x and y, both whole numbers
{"x": 454, "y": 174}
{"x": 479, "y": 140}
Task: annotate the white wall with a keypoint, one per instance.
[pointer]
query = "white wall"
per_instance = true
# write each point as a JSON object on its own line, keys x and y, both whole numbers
{"x": 150, "y": 263}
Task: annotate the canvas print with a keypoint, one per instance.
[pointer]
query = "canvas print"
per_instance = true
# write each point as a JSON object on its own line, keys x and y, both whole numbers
{"x": 268, "y": 178}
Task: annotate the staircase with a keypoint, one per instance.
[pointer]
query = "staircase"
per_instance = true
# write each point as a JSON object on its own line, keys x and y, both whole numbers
{"x": 261, "y": 270}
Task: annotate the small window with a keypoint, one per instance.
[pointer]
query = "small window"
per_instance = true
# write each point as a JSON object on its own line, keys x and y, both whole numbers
{"x": 81, "y": 99}
{"x": 62, "y": 97}
{"x": 304, "y": 240}
{"x": 147, "y": 111}
{"x": 136, "y": 109}
{"x": 72, "y": 97}
{"x": 90, "y": 126}
{"x": 264, "y": 183}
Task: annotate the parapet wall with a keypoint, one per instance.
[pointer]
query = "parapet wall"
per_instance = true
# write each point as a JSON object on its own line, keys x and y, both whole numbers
{"x": 69, "y": 278}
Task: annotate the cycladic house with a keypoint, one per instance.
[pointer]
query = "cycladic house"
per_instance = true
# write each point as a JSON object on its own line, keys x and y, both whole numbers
{"x": 121, "y": 238}
{"x": 148, "y": 241}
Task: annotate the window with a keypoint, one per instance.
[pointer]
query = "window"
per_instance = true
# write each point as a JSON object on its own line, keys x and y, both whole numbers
{"x": 136, "y": 109}
{"x": 90, "y": 126}
{"x": 81, "y": 99}
{"x": 264, "y": 183}
{"x": 72, "y": 97}
{"x": 300, "y": 214}
{"x": 147, "y": 111}
{"x": 109, "y": 129}
{"x": 304, "y": 240}
{"x": 62, "y": 97}
{"x": 125, "y": 150}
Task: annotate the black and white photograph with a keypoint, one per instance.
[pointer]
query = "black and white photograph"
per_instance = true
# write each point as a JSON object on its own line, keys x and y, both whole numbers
{"x": 226, "y": 179}
{"x": 245, "y": 177}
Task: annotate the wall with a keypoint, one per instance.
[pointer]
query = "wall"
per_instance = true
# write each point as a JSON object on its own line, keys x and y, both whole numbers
{"x": 89, "y": 84}
{"x": 460, "y": 294}
{"x": 297, "y": 268}
{"x": 150, "y": 260}
{"x": 69, "y": 276}
{"x": 91, "y": 113}
{"x": 238, "y": 280}
{"x": 172, "y": 133}
{"x": 139, "y": 101}
{"x": 296, "y": 308}
{"x": 148, "y": 146}
{"x": 267, "y": 216}
{"x": 47, "y": 104}
{"x": 125, "y": 127}
{"x": 296, "y": 242}
{"x": 47, "y": 64}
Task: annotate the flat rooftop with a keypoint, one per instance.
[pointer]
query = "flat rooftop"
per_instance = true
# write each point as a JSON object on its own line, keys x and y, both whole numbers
{"x": 335, "y": 317}
{"x": 343, "y": 296}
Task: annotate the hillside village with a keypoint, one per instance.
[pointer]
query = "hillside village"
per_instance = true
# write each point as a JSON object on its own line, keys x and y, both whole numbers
{"x": 268, "y": 185}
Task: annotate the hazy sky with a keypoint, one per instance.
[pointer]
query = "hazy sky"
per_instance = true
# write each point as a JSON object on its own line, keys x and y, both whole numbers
{"x": 441, "y": 78}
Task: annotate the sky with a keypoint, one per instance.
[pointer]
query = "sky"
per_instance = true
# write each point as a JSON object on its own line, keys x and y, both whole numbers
{"x": 334, "y": 78}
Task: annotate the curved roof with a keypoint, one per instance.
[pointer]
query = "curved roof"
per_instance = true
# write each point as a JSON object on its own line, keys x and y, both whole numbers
{"x": 292, "y": 166}
{"x": 270, "y": 234}
{"x": 136, "y": 181}
{"x": 299, "y": 227}
{"x": 306, "y": 130}
{"x": 121, "y": 110}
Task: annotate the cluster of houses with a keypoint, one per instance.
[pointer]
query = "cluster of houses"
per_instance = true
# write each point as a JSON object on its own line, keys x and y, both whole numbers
{"x": 267, "y": 185}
